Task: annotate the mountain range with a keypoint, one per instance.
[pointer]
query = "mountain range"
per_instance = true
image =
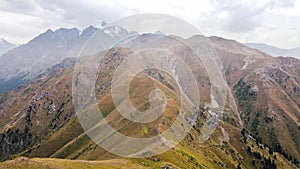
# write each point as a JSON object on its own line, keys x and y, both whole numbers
{"x": 24, "y": 63}
{"x": 260, "y": 127}
{"x": 275, "y": 51}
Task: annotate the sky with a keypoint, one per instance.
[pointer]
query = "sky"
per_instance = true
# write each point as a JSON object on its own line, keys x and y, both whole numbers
{"x": 275, "y": 22}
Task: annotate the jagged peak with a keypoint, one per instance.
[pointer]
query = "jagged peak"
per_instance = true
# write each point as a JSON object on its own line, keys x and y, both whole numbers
{"x": 48, "y": 31}
{"x": 89, "y": 30}
{"x": 63, "y": 30}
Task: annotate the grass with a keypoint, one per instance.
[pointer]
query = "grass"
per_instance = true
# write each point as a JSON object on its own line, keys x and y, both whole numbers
{"x": 52, "y": 163}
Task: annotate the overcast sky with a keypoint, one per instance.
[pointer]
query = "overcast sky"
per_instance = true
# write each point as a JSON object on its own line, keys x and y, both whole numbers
{"x": 276, "y": 22}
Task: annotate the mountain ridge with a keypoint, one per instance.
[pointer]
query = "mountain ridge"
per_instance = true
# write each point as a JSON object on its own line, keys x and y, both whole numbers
{"x": 275, "y": 51}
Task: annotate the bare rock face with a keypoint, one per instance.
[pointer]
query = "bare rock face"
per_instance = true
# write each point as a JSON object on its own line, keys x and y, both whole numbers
{"x": 27, "y": 61}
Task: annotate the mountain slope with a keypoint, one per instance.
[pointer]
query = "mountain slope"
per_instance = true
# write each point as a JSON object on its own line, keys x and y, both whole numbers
{"x": 267, "y": 95}
{"x": 22, "y": 64}
{"x": 39, "y": 117}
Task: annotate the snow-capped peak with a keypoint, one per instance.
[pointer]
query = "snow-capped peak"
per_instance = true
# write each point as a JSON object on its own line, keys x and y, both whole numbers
{"x": 115, "y": 31}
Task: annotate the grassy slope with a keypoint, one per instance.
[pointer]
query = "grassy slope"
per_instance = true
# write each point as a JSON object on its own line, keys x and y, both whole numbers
{"x": 47, "y": 163}
{"x": 67, "y": 140}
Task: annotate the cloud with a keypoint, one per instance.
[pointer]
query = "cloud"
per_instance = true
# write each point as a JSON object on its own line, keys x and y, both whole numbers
{"x": 271, "y": 21}
{"x": 83, "y": 12}
{"x": 245, "y": 16}
{"x": 22, "y": 20}
{"x": 18, "y": 6}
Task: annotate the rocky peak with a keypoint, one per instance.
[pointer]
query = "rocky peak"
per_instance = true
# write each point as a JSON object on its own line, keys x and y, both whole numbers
{"x": 68, "y": 34}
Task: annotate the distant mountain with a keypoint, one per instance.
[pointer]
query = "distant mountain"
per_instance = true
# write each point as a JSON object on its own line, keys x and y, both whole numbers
{"x": 5, "y": 46}
{"x": 275, "y": 51}
{"x": 27, "y": 61}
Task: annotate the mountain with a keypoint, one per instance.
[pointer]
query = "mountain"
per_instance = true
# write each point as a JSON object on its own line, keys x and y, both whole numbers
{"x": 24, "y": 63}
{"x": 5, "y": 46}
{"x": 259, "y": 128}
{"x": 275, "y": 51}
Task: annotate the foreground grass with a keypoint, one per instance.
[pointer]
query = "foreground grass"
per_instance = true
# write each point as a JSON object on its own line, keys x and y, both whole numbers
{"x": 52, "y": 163}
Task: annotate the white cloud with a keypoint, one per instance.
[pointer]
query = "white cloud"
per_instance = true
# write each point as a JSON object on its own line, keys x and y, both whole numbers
{"x": 271, "y": 21}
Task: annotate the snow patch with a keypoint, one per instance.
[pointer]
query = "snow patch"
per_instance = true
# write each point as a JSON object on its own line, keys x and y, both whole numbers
{"x": 108, "y": 32}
